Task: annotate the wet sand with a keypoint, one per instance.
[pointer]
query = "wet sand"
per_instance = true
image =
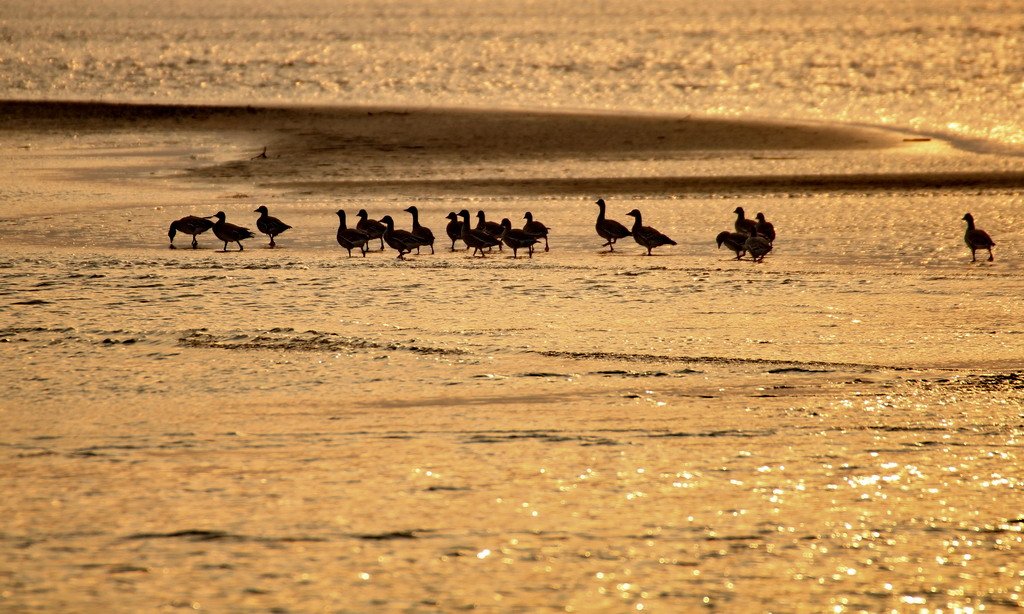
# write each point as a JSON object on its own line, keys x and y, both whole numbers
{"x": 293, "y": 430}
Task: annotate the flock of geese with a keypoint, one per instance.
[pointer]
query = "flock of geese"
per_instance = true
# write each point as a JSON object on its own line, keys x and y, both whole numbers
{"x": 753, "y": 237}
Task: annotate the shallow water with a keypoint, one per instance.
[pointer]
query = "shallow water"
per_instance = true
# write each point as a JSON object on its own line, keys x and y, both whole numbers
{"x": 292, "y": 430}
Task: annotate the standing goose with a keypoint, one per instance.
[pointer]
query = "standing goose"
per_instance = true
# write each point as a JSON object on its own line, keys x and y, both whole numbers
{"x": 371, "y": 227}
{"x": 757, "y": 246}
{"x": 609, "y": 230}
{"x": 401, "y": 241}
{"x": 742, "y": 224}
{"x": 423, "y": 233}
{"x": 492, "y": 228}
{"x": 645, "y": 235}
{"x": 477, "y": 239}
{"x": 765, "y": 228}
{"x": 269, "y": 225}
{"x": 976, "y": 238}
{"x": 517, "y": 239}
{"x": 454, "y": 228}
{"x": 734, "y": 241}
{"x": 536, "y": 229}
{"x": 351, "y": 238}
{"x": 189, "y": 225}
{"x": 229, "y": 232}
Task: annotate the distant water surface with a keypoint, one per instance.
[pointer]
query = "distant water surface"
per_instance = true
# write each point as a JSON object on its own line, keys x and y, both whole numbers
{"x": 947, "y": 67}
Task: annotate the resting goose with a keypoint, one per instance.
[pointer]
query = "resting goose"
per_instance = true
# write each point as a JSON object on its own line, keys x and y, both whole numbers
{"x": 421, "y": 232}
{"x": 517, "y": 239}
{"x": 645, "y": 235}
{"x": 742, "y": 224}
{"x": 765, "y": 228}
{"x": 477, "y": 239}
{"x": 454, "y": 228}
{"x": 350, "y": 238}
{"x": 757, "y": 246}
{"x": 270, "y": 226}
{"x": 734, "y": 241}
{"x": 976, "y": 238}
{"x": 189, "y": 225}
{"x": 229, "y": 233}
{"x": 370, "y": 226}
{"x": 609, "y": 230}
{"x": 401, "y": 241}
{"x": 536, "y": 229}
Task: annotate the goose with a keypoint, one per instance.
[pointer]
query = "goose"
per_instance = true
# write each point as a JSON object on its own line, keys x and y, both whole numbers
{"x": 229, "y": 232}
{"x": 454, "y": 228}
{"x": 609, "y": 230}
{"x": 765, "y": 228}
{"x": 976, "y": 238}
{"x": 757, "y": 246}
{"x": 423, "y": 233}
{"x": 734, "y": 241}
{"x": 536, "y": 229}
{"x": 517, "y": 239}
{"x": 268, "y": 225}
{"x": 645, "y": 235}
{"x": 492, "y": 228}
{"x": 477, "y": 239}
{"x": 370, "y": 226}
{"x": 351, "y": 238}
{"x": 401, "y": 241}
{"x": 743, "y": 225}
{"x": 189, "y": 225}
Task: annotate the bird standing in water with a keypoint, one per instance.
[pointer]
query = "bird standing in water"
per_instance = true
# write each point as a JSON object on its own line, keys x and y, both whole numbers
{"x": 350, "y": 238}
{"x": 645, "y": 235}
{"x": 399, "y": 240}
{"x": 419, "y": 231}
{"x": 734, "y": 241}
{"x": 516, "y": 239}
{"x": 609, "y": 230}
{"x": 477, "y": 239}
{"x": 189, "y": 225}
{"x": 757, "y": 246}
{"x": 371, "y": 226}
{"x": 270, "y": 226}
{"x": 454, "y": 228}
{"x": 742, "y": 224}
{"x": 976, "y": 239}
{"x": 229, "y": 233}
{"x": 535, "y": 228}
{"x": 765, "y": 228}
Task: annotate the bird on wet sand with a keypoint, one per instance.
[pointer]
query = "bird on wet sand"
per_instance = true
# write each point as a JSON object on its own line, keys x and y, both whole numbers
{"x": 270, "y": 226}
{"x": 734, "y": 241}
{"x": 742, "y": 224}
{"x": 420, "y": 231}
{"x": 537, "y": 229}
{"x": 492, "y": 228}
{"x": 230, "y": 233}
{"x": 645, "y": 235}
{"x": 351, "y": 238}
{"x": 517, "y": 239}
{"x": 399, "y": 240}
{"x": 757, "y": 246}
{"x": 765, "y": 228}
{"x": 976, "y": 239}
{"x": 370, "y": 226}
{"x": 189, "y": 225}
{"x": 454, "y": 228}
{"x": 609, "y": 230}
{"x": 476, "y": 239}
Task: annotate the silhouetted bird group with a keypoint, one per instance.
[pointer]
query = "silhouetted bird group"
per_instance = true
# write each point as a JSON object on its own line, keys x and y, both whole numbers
{"x": 753, "y": 237}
